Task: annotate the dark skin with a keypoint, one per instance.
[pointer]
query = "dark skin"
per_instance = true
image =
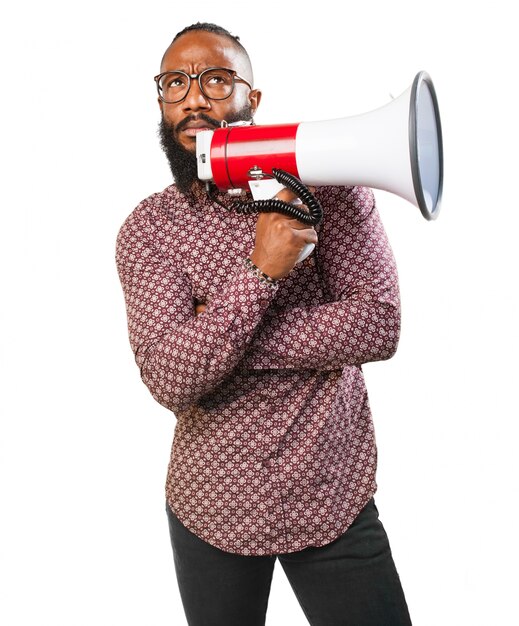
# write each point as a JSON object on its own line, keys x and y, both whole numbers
{"x": 279, "y": 239}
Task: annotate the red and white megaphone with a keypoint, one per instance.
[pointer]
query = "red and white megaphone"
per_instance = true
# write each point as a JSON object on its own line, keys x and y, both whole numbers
{"x": 397, "y": 148}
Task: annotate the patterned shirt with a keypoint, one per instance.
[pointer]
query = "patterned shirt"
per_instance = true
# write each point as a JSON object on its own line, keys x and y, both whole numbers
{"x": 274, "y": 446}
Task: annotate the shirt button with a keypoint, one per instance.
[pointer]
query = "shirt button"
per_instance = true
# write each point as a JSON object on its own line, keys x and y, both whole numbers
{"x": 267, "y": 462}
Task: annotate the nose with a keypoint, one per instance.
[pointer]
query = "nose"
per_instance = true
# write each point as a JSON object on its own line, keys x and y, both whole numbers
{"x": 195, "y": 99}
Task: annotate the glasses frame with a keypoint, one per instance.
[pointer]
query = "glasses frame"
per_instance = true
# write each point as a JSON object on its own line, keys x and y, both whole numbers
{"x": 235, "y": 77}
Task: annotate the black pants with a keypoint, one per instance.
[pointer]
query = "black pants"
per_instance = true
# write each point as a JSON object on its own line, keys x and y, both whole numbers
{"x": 349, "y": 582}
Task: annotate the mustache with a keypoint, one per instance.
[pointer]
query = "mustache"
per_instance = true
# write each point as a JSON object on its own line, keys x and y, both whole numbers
{"x": 196, "y": 118}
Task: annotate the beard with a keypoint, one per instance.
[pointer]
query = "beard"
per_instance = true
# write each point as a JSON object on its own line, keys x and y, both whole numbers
{"x": 182, "y": 162}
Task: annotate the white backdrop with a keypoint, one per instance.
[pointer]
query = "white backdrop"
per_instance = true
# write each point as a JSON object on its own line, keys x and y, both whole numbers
{"x": 84, "y": 447}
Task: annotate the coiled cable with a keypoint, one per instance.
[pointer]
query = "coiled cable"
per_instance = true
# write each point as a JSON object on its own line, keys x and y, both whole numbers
{"x": 274, "y": 205}
{"x": 312, "y": 218}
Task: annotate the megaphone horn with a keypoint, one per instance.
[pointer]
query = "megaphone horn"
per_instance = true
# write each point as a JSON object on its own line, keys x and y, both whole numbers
{"x": 397, "y": 148}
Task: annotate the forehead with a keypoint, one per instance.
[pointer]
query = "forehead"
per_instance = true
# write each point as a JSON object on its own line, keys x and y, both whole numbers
{"x": 197, "y": 50}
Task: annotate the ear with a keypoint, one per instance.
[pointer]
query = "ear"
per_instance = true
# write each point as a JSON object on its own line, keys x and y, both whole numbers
{"x": 160, "y": 105}
{"x": 254, "y": 99}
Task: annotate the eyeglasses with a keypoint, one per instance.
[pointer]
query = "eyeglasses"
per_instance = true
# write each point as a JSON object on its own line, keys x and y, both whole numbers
{"x": 216, "y": 83}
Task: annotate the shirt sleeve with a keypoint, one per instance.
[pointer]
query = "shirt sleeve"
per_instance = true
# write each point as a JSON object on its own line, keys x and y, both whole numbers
{"x": 361, "y": 322}
{"x": 182, "y": 356}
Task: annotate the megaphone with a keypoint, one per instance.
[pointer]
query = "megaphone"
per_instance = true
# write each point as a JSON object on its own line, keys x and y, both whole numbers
{"x": 397, "y": 148}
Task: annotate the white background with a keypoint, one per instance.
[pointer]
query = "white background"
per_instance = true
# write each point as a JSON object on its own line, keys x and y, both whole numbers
{"x": 84, "y": 447}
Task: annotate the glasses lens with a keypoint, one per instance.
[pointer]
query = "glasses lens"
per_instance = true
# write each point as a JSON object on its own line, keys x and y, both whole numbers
{"x": 174, "y": 86}
{"x": 217, "y": 84}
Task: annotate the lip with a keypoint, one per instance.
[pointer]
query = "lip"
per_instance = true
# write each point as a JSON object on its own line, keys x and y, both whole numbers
{"x": 192, "y": 131}
{"x": 195, "y": 126}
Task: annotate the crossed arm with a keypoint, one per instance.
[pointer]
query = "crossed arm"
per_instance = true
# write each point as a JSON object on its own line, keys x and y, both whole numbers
{"x": 184, "y": 354}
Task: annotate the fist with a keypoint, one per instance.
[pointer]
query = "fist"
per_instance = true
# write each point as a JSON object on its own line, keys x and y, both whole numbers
{"x": 280, "y": 240}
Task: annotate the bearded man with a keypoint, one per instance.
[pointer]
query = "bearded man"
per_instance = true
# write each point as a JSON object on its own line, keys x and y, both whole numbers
{"x": 259, "y": 357}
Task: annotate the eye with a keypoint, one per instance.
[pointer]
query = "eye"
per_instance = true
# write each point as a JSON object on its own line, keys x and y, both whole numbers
{"x": 174, "y": 81}
{"x": 177, "y": 82}
{"x": 215, "y": 79}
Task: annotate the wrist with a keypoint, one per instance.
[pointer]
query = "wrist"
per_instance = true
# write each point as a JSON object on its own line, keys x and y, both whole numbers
{"x": 265, "y": 267}
{"x": 262, "y": 276}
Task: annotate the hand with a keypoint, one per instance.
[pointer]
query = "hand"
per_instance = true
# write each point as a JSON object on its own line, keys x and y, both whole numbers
{"x": 200, "y": 307}
{"x": 280, "y": 240}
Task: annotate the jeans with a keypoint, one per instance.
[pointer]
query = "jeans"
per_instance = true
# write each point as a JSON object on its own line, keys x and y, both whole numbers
{"x": 351, "y": 581}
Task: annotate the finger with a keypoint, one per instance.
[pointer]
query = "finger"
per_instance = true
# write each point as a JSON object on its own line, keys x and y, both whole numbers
{"x": 295, "y": 223}
{"x": 312, "y": 235}
{"x": 308, "y": 235}
{"x": 286, "y": 195}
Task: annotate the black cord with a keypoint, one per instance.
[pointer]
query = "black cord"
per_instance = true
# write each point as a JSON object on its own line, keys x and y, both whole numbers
{"x": 274, "y": 205}
{"x": 312, "y": 218}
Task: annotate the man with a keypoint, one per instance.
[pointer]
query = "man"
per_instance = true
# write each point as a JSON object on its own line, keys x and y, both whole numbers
{"x": 259, "y": 358}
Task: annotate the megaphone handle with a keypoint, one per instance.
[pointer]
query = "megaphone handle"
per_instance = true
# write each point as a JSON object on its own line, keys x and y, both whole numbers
{"x": 267, "y": 189}
{"x": 306, "y": 251}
